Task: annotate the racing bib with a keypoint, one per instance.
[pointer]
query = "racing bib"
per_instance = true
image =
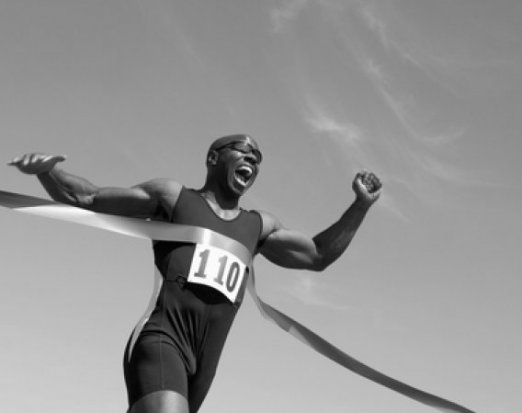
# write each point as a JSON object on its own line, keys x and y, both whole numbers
{"x": 218, "y": 269}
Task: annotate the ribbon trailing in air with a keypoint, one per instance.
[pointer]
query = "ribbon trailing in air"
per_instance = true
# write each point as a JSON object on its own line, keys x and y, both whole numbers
{"x": 162, "y": 231}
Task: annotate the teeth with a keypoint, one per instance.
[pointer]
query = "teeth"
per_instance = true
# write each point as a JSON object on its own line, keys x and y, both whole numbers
{"x": 243, "y": 174}
{"x": 242, "y": 181}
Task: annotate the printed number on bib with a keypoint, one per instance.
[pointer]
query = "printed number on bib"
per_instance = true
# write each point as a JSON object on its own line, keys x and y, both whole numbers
{"x": 217, "y": 268}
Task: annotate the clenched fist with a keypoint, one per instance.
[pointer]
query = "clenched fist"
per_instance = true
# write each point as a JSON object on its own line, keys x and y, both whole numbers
{"x": 367, "y": 186}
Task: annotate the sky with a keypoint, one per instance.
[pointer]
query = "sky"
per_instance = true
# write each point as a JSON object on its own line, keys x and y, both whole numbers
{"x": 426, "y": 94}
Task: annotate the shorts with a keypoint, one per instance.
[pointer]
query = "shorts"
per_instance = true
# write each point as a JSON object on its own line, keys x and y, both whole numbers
{"x": 180, "y": 347}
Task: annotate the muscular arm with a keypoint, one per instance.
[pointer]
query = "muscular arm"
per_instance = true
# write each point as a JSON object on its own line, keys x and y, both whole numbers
{"x": 292, "y": 249}
{"x": 146, "y": 200}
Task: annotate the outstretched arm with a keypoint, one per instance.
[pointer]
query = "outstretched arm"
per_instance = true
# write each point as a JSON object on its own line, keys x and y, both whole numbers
{"x": 147, "y": 200}
{"x": 292, "y": 249}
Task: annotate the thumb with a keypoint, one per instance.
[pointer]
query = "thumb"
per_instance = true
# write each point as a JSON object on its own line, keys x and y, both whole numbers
{"x": 54, "y": 159}
{"x": 358, "y": 180}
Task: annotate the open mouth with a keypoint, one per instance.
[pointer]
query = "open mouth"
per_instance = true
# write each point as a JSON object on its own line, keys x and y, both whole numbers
{"x": 243, "y": 174}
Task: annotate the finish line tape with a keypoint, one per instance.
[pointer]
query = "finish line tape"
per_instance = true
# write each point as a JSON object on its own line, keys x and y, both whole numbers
{"x": 163, "y": 231}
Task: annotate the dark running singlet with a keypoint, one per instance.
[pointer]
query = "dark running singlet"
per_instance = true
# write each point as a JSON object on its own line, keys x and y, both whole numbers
{"x": 179, "y": 346}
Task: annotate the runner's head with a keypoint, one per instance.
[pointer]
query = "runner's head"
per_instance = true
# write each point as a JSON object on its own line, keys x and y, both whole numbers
{"x": 233, "y": 161}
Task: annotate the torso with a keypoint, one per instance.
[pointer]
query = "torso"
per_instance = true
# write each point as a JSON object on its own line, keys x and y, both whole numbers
{"x": 174, "y": 259}
{"x": 192, "y": 315}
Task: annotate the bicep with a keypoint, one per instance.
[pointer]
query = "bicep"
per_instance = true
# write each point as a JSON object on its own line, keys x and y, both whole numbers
{"x": 143, "y": 200}
{"x": 289, "y": 248}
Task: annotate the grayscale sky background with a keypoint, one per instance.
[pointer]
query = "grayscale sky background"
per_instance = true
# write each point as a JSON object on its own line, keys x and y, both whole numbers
{"x": 425, "y": 93}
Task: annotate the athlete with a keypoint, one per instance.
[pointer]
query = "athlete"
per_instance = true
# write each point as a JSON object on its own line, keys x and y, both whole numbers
{"x": 171, "y": 359}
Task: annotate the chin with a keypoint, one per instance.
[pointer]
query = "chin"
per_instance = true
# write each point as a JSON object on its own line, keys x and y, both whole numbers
{"x": 238, "y": 190}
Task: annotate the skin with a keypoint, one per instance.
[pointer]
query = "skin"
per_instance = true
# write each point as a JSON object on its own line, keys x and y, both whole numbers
{"x": 156, "y": 199}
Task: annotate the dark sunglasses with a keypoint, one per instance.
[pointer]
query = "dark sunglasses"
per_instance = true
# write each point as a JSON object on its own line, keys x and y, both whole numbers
{"x": 243, "y": 147}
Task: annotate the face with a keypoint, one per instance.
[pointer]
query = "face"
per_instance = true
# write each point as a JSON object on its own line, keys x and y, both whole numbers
{"x": 238, "y": 164}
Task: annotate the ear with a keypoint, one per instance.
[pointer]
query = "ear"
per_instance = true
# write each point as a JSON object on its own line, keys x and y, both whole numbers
{"x": 212, "y": 158}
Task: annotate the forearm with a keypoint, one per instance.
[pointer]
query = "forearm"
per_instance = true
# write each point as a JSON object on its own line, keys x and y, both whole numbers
{"x": 67, "y": 188}
{"x": 292, "y": 249}
{"x": 333, "y": 242}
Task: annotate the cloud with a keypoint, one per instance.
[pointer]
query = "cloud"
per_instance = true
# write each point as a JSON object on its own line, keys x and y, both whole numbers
{"x": 386, "y": 72}
{"x": 411, "y": 140}
{"x": 399, "y": 106}
{"x": 414, "y": 41}
{"x": 350, "y": 140}
{"x": 442, "y": 170}
{"x": 423, "y": 152}
{"x": 339, "y": 136}
{"x": 344, "y": 132}
{"x": 407, "y": 110}
{"x": 374, "y": 71}
{"x": 373, "y": 17}
{"x": 285, "y": 13}
{"x": 376, "y": 24}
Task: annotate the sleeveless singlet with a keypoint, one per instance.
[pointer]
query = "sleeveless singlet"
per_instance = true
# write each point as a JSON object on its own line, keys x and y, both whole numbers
{"x": 190, "y": 322}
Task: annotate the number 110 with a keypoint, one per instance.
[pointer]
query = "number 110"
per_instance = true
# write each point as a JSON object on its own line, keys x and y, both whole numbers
{"x": 232, "y": 274}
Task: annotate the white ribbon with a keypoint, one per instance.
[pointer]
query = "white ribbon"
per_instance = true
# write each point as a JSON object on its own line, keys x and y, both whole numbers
{"x": 163, "y": 231}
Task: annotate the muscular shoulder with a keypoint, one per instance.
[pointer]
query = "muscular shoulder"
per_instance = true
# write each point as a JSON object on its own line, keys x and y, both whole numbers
{"x": 166, "y": 192}
{"x": 161, "y": 186}
{"x": 270, "y": 224}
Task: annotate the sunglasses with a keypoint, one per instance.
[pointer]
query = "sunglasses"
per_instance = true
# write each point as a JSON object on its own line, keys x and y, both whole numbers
{"x": 243, "y": 147}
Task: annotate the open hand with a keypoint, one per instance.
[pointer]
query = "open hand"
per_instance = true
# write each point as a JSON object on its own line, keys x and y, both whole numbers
{"x": 36, "y": 163}
{"x": 367, "y": 186}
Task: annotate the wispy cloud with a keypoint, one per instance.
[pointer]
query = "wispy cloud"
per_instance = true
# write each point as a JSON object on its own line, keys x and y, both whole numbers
{"x": 374, "y": 17}
{"x": 338, "y": 135}
{"x": 326, "y": 124}
{"x": 374, "y": 22}
{"x": 404, "y": 106}
{"x": 350, "y": 140}
{"x": 382, "y": 69}
{"x": 408, "y": 40}
{"x": 399, "y": 106}
{"x": 411, "y": 139}
{"x": 442, "y": 170}
{"x": 286, "y": 12}
{"x": 420, "y": 149}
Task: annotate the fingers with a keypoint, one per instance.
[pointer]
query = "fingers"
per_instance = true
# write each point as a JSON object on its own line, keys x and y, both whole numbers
{"x": 21, "y": 160}
{"x": 35, "y": 163}
{"x": 36, "y": 157}
{"x": 371, "y": 182}
{"x": 15, "y": 161}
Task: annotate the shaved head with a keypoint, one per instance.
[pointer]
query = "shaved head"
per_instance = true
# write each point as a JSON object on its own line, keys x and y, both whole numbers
{"x": 230, "y": 139}
{"x": 225, "y": 140}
